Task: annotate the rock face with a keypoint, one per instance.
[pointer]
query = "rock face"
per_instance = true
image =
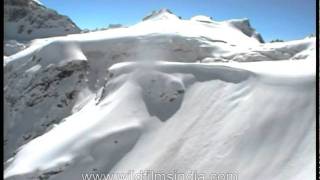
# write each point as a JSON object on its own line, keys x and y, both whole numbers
{"x": 245, "y": 27}
{"x": 28, "y": 19}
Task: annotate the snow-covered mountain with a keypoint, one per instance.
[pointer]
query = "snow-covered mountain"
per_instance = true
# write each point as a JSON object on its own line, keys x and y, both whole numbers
{"x": 25, "y": 20}
{"x": 28, "y": 19}
{"x": 165, "y": 94}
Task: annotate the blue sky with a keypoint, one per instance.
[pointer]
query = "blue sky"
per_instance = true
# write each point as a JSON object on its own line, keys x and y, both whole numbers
{"x": 283, "y": 19}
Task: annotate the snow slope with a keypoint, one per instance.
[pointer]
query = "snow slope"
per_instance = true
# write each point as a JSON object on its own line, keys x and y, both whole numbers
{"x": 165, "y": 94}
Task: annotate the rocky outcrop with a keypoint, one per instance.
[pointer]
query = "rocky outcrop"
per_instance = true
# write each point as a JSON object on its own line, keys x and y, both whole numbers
{"x": 28, "y": 19}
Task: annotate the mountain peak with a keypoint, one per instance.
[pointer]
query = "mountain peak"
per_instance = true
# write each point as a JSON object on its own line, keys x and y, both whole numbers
{"x": 244, "y": 26}
{"x": 29, "y": 19}
{"x": 161, "y": 14}
{"x": 165, "y": 10}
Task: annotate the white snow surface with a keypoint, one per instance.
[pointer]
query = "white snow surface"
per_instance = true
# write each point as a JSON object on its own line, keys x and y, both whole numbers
{"x": 165, "y": 94}
{"x": 202, "y": 18}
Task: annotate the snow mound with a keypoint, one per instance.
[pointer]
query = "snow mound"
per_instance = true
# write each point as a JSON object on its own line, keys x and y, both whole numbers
{"x": 201, "y": 18}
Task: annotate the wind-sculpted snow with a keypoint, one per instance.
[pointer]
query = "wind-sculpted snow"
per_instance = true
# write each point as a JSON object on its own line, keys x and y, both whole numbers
{"x": 165, "y": 94}
{"x": 223, "y": 114}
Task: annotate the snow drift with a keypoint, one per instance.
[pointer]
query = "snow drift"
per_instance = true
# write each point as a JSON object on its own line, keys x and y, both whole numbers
{"x": 165, "y": 94}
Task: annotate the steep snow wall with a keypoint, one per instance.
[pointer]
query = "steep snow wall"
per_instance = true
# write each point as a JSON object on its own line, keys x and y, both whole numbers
{"x": 200, "y": 117}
